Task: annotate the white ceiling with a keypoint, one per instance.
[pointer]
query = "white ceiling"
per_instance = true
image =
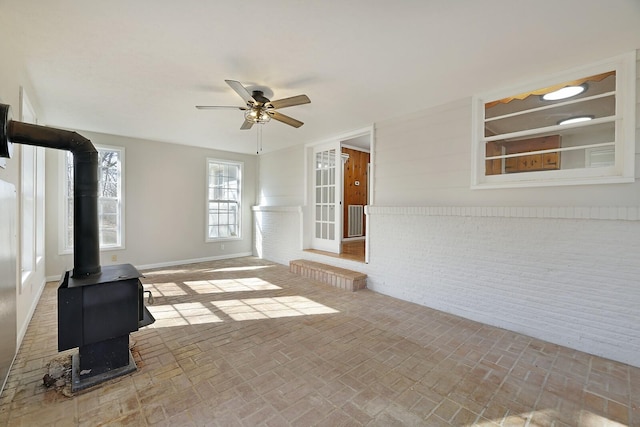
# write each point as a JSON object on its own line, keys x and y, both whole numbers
{"x": 138, "y": 67}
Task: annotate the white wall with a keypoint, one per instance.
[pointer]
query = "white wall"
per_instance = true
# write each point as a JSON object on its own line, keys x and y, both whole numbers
{"x": 285, "y": 187}
{"x": 556, "y": 263}
{"x": 165, "y": 191}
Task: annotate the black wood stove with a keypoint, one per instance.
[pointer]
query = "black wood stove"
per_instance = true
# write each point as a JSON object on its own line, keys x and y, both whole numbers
{"x": 96, "y": 313}
{"x": 98, "y": 307}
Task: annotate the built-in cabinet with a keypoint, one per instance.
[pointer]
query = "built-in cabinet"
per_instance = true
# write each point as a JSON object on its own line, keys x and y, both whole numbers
{"x": 528, "y": 163}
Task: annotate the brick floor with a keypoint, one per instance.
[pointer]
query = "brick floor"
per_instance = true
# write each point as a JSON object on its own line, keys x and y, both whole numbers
{"x": 245, "y": 342}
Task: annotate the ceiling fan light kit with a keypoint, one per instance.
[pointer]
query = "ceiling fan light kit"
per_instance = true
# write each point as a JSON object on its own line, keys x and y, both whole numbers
{"x": 260, "y": 109}
{"x": 256, "y": 115}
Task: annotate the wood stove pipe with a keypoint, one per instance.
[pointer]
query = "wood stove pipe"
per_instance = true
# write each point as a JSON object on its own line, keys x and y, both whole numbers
{"x": 86, "y": 244}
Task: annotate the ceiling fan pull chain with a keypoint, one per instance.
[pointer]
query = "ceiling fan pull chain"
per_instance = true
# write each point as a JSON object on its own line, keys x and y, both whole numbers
{"x": 259, "y": 138}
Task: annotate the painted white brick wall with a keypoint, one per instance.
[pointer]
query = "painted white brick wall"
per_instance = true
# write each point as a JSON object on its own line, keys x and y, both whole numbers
{"x": 277, "y": 233}
{"x": 574, "y": 282}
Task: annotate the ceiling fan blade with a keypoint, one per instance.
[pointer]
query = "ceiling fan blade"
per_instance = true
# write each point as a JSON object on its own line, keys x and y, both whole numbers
{"x": 284, "y": 119}
{"x": 290, "y": 102}
{"x": 246, "y": 125}
{"x": 219, "y": 107}
{"x": 242, "y": 91}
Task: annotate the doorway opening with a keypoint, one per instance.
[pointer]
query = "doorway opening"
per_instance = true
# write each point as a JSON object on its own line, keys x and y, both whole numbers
{"x": 356, "y": 160}
{"x": 340, "y": 190}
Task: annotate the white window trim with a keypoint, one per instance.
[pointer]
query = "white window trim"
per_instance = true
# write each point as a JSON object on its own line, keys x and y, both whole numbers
{"x": 29, "y": 196}
{"x": 206, "y": 204}
{"x": 40, "y": 204}
{"x": 63, "y": 226}
{"x": 623, "y": 169}
{"x": 28, "y": 213}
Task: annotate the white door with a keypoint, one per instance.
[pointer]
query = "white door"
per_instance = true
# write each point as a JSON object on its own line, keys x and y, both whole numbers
{"x": 327, "y": 222}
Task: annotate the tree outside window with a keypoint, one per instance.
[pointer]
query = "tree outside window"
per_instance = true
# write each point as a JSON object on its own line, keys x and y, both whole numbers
{"x": 110, "y": 198}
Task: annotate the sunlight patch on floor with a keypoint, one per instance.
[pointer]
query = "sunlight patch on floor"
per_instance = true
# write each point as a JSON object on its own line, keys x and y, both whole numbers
{"x": 270, "y": 308}
{"x": 166, "y": 289}
{"x": 547, "y": 417}
{"x": 163, "y": 272}
{"x": 197, "y": 313}
{"x": 230, "y": 285}
{"x": 182, "y": 314}
{"x": 589, "y": 419}
{"x": 246, "y": 268}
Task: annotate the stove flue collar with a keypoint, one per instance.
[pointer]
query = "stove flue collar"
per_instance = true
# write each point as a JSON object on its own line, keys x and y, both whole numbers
{"x": 6, "y": 146}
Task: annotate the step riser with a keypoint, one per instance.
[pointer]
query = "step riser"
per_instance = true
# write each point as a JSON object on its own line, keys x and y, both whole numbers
{"x": 334, "y": 276}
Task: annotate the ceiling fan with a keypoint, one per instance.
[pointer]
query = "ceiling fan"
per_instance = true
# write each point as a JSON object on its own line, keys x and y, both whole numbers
{"x": 259, "y": 108}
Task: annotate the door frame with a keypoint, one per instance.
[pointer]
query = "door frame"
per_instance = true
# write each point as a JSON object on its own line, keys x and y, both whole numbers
{"x": 309, "y": 197}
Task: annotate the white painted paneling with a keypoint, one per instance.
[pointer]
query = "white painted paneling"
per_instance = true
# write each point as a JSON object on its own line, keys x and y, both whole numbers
{"x": 415, "y": 163}
{"x": 281, "y": 176}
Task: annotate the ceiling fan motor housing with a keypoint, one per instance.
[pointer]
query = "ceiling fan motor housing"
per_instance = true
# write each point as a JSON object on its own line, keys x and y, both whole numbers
{"x": 258, "y": 95}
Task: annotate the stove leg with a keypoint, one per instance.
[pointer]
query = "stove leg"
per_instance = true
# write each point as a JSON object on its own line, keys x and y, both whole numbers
{"x": 101, "y": 361}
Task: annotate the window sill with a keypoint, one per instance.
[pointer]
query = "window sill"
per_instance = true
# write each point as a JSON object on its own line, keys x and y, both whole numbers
{"x": 551, "y": 179}
{"x": 524, "y": 184}
{"x": 102, "y": 249}
{"x": 223, "y": 239}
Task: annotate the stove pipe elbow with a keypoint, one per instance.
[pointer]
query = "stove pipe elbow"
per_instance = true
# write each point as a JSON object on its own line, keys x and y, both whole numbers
{"x": 86, "y": 244}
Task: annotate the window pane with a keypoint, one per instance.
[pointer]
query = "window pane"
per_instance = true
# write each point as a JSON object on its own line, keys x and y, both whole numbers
{"x": 109, "y": 196}
{"x": 594, "y": 109}
{"x": 224, "y": 196}
{"x": 572, "y": 145}
{"x": 599, "y": 84}
{"x": 69, "y": 228}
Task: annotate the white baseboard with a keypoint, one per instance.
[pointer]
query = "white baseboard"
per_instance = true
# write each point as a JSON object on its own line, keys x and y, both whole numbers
{"x": 32, "y": 309}
{"x": 172, "y": 263}
{"x": 192, "y": 261}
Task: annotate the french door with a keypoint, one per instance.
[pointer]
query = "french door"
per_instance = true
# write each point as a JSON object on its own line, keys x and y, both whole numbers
{"x": 327, "y": 181}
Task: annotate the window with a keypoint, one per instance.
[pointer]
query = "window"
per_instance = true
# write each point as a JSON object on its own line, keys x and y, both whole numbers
{"x": 28, "y": 208}
{"x": 32, "y": 198}
{"x": 110, "y": 198}
{"x": 224, "y": 179}
{"x": 40, "y": 216}
{"x": 574, "y": 128}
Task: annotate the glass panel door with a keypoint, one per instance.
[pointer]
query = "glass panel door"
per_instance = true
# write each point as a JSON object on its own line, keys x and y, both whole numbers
{"x": 327, "y": 217}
